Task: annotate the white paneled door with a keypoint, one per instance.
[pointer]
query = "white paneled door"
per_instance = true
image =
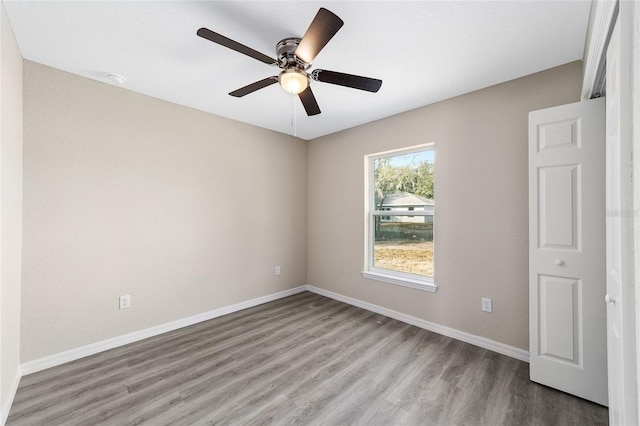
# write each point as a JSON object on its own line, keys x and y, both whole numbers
{"x": 620, "y": 340}
{"x": 568, "y": 336}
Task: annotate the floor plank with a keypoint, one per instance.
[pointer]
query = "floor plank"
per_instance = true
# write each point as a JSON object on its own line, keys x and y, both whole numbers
{"x": 302, "y": 360}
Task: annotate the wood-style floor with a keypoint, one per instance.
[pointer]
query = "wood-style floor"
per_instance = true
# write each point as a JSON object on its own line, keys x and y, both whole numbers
{"x": 305, "y": 359}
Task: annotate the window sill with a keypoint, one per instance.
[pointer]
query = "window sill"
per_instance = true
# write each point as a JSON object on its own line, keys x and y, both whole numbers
{"x": 406, "y": 282}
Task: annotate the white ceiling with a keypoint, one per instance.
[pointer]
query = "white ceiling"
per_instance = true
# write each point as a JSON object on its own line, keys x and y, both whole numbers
{"x": 424, "y": 51}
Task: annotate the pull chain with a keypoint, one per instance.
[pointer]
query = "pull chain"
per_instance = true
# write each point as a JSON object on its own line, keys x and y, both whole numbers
{"x": 294, "y": 118}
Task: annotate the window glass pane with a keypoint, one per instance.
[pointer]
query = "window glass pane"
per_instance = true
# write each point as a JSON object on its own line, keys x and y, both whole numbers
{"x": 404, "y": 182}
{"x": 404, "y": 244}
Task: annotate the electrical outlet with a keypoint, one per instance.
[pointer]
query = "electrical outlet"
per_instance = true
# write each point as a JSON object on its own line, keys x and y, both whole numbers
{"x": 486, "y": 305}
{"x": 277, "y": 270}
{"x": 125, "y": 302}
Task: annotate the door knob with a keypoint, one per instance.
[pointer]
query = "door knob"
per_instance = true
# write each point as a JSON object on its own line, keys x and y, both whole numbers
{"x": 559, "y": 262}
{"x": 609, "y": 299}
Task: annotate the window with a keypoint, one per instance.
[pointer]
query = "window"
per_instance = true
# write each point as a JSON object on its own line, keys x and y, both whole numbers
{"x": 400, "y": 208}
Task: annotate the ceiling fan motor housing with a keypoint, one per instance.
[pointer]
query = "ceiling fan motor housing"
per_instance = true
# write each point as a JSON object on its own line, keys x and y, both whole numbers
{"x": 285, "y": 49}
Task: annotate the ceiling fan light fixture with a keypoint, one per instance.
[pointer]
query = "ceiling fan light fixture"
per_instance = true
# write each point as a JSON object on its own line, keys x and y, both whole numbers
{"x": 293, "y": 80}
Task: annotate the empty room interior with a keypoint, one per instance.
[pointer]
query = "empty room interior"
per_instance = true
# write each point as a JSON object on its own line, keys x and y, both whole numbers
{"x": 345, "y": 212}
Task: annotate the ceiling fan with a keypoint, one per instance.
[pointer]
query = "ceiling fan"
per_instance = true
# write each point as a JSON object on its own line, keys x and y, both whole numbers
{"x": 294, "y": 58}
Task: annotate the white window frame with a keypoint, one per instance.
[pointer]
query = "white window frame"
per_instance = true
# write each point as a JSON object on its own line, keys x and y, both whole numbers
{"x": 405, "y": 279}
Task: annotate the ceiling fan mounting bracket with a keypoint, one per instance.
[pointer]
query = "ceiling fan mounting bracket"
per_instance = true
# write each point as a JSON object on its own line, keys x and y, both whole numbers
{"x": 285, "y": 49}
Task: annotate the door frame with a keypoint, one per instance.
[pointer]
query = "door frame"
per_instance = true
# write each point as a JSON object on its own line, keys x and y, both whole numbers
{"x": 602, "y": 19}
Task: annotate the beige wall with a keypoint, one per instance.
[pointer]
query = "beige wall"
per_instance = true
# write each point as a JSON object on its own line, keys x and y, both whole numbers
{"x": 10, "y": 211}
{"x": 189, "y": 212}
{"x": 125, "y": 194}
{"x": 481, "y": 228}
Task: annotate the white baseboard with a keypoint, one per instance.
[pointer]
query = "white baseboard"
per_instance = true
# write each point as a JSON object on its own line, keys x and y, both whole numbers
{"x": 5, "y": 405}
{"x": 91, "y": 349}
{"x": 94, "y": 348}
{"x": 482, "y": 342}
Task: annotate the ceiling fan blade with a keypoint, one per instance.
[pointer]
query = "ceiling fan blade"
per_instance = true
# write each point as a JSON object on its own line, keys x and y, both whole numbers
{"x": 348, "y": 80}
{"x": 323, "y": 27}
{"x": 234, "y": 45}
{"x": 254, "y": 86}
{"x": 309, "y": 102}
